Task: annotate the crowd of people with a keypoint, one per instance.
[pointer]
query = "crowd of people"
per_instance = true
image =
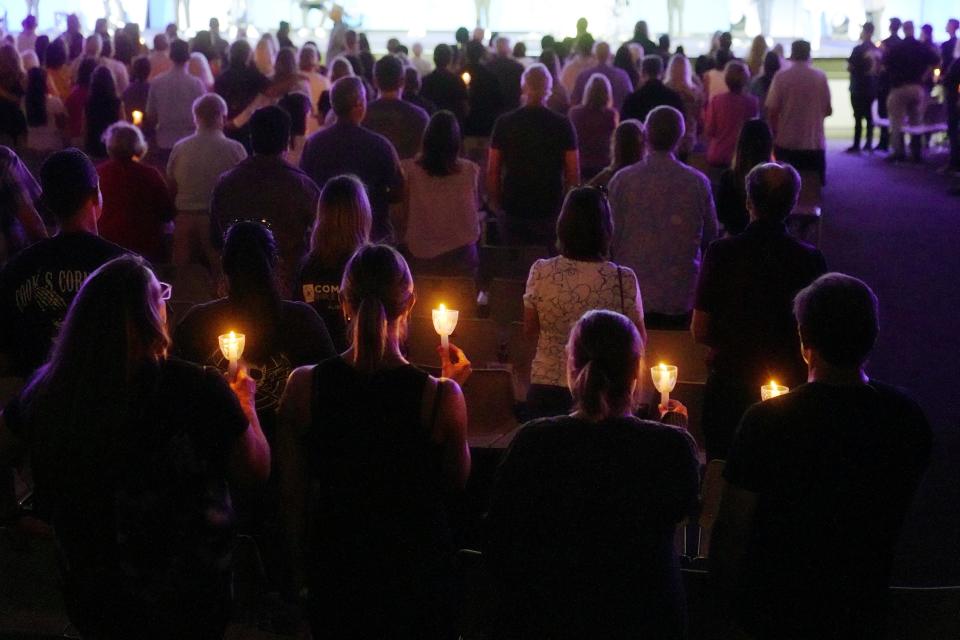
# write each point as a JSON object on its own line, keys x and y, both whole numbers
{"x": 302, "y": 195}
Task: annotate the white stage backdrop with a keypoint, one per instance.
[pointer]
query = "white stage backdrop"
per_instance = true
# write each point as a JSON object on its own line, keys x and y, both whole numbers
{"x": 815, "y": 20}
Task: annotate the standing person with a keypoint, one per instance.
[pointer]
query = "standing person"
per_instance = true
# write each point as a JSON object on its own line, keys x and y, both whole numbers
{"x": 170, "y": 101}
{"x": 532, "y": 161}
{"x": 582, "y": 61}
{"x": 641, "y": 35}
{"x": 487, "y": 102}
{"x": 743, "y": 304}
{"x": 58, "y": 70}
{"x": 558, "y": 101}
{"x": 20, "y": 225}
{"x": 624, "y": 61}
{"x": 798, "y": 103}
{"x": 418, "y": 62}
{"x": 160, "y": 56}
{"x": 758, "y": 52}
{"x": 727, "y": 113}
{"x": 73, "y": 37}
{"x": 342, "y": 226}
{"x": 760, "y": 85}
{"x": 887, "y": 45}
{"x": 239, "y": 86}
{"x": 132, "y": 453}
{"x": 102, "y": 110}
{"x": 136, "y": 203}
{"x": 948, "y": 47}
{"x": 370, "y": 449}
{"x": 561, "y": 289}
{"x": 53, "y": 269}
{"x": 754, "y": 146}
{"x": 594, "y": 122}
{"x": 651, "y": 94}
{"x": 626, "y": 148}
{"x": 664, "y": 216}
{"x": 46, "y": 115}
{"x": 620, "y": 84}
{"x": 346, "y": 147}
{"x": 400, "y": 122}
{"x": 135, "y": 97}
{"x": 193, "y": 170}
{"x": 862, "y": 65}
{"x": 309, "y": 66}
{"x": 806, "y": 471}
{"x": 265, "y": 187}
{"x": 411, "y": 91}
{"x": 580, "y": 532}
{"x": 680, "y": 80}
{"x": 27, "y": 38}
{"x": 76, "y": 104}
{"x": 439, "y": 219}
{"x": 907, "y": 64}
{"x": 443, "y": 87}
{"x": 508, "y": 72}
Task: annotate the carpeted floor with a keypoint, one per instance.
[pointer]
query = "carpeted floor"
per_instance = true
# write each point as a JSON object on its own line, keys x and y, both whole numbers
{"x": 896, "y": 227}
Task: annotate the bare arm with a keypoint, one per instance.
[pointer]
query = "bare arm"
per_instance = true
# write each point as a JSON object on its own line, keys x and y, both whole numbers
{"x": 451, "y": 430}
{"x": 571, "y": 168}
{"x": 249, "y": 462}
{"x": 292, "y": 465}
{"x": 494, "y": 160}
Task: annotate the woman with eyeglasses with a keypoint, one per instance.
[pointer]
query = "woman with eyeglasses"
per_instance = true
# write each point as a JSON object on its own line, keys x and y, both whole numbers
{"x": 133, "y": 454}
{"x": 561, "y": 289}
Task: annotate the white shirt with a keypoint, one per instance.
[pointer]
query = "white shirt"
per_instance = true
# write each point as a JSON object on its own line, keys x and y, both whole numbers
{"x": 421, "y": 65}
{"x": 800, "y": 96}
{"x": 170, "y": 102}
{"x": 561, "y": 290}
{"x": 196, "y": 163}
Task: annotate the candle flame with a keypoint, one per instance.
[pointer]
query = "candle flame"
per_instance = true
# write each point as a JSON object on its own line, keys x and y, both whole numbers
{"x": 773, "y": 383}
{"x": 443, "y": 307}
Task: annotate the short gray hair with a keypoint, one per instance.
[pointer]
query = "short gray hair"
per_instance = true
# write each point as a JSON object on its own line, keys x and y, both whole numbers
{"x": 206, "y": 108}
{"x": 537, "y": 80}
{"x": 346, "y": 94}
{"x": 124, "y": 141}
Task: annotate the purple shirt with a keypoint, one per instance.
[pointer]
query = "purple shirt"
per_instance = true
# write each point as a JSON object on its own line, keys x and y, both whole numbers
{"x": 594, "y": 128}
{"x": 349, "y": 148}
{"x": 725, "y": 117}
{"x": 619, "y": 82}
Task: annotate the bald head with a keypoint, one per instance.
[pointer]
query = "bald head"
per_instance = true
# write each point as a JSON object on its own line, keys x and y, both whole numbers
{"x": 665, "y": 128}
{"x": 536, "y": 83}
{"x": 602, "y": 52}
{"x": 772, "y": 191}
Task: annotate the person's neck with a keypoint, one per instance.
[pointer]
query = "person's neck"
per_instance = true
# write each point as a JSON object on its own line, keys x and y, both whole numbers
{"x": 81, "y": 223}
{"x": 600, "y": 417}
{"x": 392, "y": 354}
{"x": 826, "y": 373}
{"x": 396, "y": 94}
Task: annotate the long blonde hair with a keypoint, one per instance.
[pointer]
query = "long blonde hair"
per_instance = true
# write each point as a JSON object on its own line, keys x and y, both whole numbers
{"x": 343, "y": 221}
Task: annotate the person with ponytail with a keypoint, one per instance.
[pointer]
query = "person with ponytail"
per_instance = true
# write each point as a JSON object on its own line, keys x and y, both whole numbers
{"x": 585, "y": 506}
{"x": 131, "y": 453}
{"x": 370, "y": 450}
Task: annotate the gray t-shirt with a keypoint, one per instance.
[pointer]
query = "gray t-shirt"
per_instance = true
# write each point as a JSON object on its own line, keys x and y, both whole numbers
{"x": 400, "y": 122}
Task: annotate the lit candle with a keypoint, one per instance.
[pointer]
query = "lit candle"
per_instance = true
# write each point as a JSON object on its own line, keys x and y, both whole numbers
{"x": 231, "y": 346}
{"x": 137, "y": 118}
{"x": 936, "y": 75}
{"x": 772, "y": 390}
{"x": 664, "y": 379}
{"x": 445, "y": 321}
{"x": 465, "y": 76}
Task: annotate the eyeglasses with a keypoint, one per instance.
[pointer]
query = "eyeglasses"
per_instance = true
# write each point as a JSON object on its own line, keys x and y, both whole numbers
{"x": 166, "y": 291}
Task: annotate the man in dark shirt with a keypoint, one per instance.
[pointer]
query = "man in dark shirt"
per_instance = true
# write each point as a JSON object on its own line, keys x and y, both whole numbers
{"x": 862, "y": 65}
{"x": 651, "y": 94}
{"x": 906, "y": 65}
{"x": 948, "y": 47}
{"x": 486, "y": 94}
{"x": 239, "y": 86}
{"x": 37, "y": 285}
{"x": 641, "y": 35}
{"x": 819, "y": 482}
{"x": 444, "y": 88}
{"x": 267, "y": 187}
{"x": 411, "y": 91}
{"x": 533, "y": 155}
{"x": 742, "y": 308}
{"x": 883, "y": 81}
{"x": 507, "y": 71}
{"x": 346, "y": 147}
{"x": 400, "y": 122}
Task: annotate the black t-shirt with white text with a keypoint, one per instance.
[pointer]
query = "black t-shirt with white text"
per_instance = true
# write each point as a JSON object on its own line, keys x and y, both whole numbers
{"x": 36, "y": 289}
{"x": 835, "y": 469}
{"x": 319, "y": 287}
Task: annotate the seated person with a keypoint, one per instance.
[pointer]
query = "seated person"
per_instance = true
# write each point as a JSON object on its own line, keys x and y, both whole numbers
{"x": 584, "y": 510}
{"x": 819, "y": 482}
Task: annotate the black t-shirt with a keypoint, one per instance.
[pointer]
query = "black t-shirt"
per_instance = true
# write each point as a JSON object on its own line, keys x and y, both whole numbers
{"x": 319, "y": 287}
{"x": 36, "y": 289}
{"x": 486, "y": 101}
{"x": 533, "y": 143}
{"x": 747, "y": 285}
{"x": 652, "y": 94}
{"x": 835, "y": 470}
{"x": 300, "y": 338}
{"x": 446, "y": 90}
{"x": 144, "y": 521}
{"x": 907, "y": 62}
{"x": 863, "y": 64}
{"x": 581, "y": 526}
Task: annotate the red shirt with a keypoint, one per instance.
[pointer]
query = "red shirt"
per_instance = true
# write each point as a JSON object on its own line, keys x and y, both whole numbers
{"x": 726, "y": 114}
{"x": 136, "y": 204}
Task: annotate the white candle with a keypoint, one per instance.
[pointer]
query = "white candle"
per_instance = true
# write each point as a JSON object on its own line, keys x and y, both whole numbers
{"x": 466, "y": 78}
{"x": 664, "y": 379}
{"x": 231, "y": 346}
{"x": 772, "y": 390}
{"x": 137, "y": 118}
{"x": 445, "y": 321}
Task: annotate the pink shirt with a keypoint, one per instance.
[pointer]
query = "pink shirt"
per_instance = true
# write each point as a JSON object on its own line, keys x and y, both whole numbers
{"x": 726, "y": 114}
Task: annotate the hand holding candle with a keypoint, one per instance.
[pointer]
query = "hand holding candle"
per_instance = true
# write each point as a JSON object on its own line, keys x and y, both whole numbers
{"x": 445, "y": 321}
{"x": 772, "y": 390}
{"x": 231, "y": 346}
{"x": 664, "y": 379}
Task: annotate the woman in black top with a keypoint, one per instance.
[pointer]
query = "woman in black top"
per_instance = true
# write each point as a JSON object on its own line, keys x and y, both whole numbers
{"x": 342, "y": 226}
{"x": 131, "y": 453}
{"x": 585, "y": 506}
{"x": 754, "y": 146}
{"x": 369, "y": 448}
{"x": 102, "y": 110}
